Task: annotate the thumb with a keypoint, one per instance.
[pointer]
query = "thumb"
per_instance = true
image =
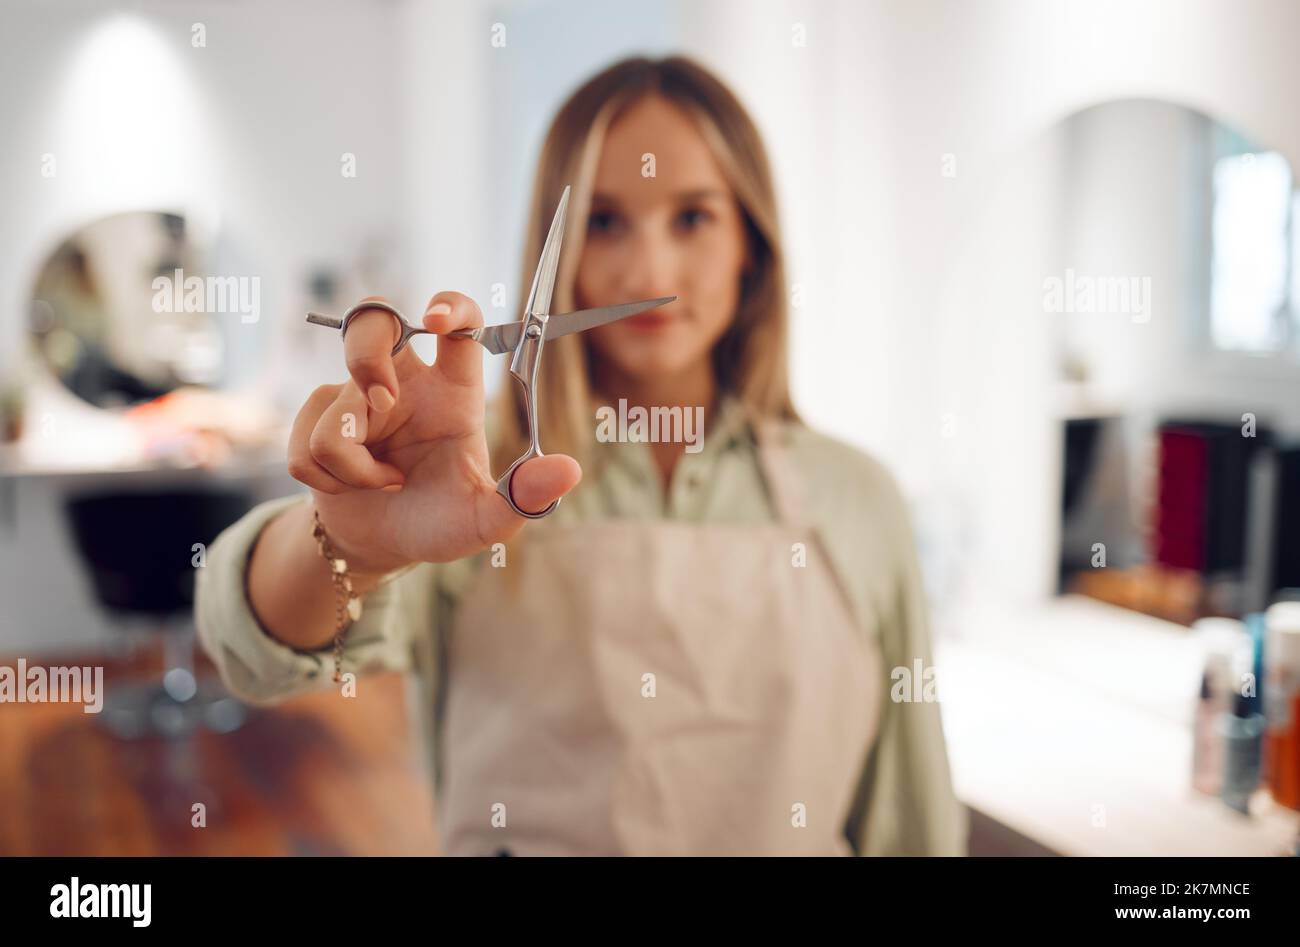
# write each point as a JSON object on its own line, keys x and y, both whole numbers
{"x": 534, "y": 486}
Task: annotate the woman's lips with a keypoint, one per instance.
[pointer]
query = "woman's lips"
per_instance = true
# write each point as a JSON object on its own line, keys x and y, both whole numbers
{"x": 649, "y": 321}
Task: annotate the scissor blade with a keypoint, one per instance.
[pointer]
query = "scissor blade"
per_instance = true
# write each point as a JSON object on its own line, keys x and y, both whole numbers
{"x": 584, "y": 319}
{"x": 504, "y": 337}
{"x": 539, "y": 298}
{"x": 496, "y": 339}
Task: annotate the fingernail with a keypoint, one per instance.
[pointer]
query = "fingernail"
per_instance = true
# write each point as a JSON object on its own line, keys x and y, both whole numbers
{"x": 438, "y": 309}
{"x": 381, "y": 399}
{"x": 391, "y": 488}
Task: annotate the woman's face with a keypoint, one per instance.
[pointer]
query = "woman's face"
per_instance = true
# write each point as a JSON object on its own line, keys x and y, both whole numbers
{"x": 678, "y": 233}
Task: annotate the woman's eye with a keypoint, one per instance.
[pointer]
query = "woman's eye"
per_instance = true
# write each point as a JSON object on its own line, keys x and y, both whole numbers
{"x": 693, "y": 218}
{"x": 602, "y": 221}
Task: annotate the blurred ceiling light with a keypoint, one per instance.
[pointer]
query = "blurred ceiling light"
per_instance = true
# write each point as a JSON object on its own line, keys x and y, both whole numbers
{"x": 129, "y": 123}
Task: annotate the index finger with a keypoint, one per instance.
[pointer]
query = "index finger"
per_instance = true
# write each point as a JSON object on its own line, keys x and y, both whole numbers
{"x": 367, "y": 346}
{"x": 460, "y": 360}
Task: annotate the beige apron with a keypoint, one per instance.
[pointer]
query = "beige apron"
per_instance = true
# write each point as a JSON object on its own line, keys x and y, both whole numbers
{"x": 658, "y": 688}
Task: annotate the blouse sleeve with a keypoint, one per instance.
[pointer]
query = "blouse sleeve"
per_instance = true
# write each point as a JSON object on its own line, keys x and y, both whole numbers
{"x": 905, "y": 803}
{"x": 260, "y": 669}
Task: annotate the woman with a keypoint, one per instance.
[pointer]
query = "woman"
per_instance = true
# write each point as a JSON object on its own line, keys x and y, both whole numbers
{"x": 693, "y": 654}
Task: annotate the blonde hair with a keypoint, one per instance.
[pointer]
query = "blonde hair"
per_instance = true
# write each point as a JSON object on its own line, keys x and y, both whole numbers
{"x": 750, "y": 359}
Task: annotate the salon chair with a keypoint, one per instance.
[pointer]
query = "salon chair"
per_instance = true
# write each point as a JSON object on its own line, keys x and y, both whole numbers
{"x": 138, "y": 548}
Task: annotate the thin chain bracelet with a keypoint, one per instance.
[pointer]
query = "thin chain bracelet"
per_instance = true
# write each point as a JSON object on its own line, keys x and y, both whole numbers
{"x": 349, "y": 603}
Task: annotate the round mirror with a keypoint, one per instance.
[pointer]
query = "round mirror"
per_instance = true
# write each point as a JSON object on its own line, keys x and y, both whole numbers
{"x": 121, "y": 310}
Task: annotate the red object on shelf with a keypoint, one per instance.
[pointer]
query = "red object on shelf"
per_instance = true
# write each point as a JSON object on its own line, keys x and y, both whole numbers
{"x": 1180, "y": 540}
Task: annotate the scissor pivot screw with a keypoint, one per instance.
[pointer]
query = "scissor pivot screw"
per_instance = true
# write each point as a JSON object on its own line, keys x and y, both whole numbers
{"x": 534, "y": 331}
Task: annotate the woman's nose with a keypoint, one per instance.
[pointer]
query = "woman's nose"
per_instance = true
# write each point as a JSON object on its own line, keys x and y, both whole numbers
{"x": 653, "y": 267}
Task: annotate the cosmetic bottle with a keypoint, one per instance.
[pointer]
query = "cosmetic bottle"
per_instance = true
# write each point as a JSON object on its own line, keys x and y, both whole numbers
{"x": 1241, "y": 733}
{"x": 1282, "y": 703}
{"x": 1222, "y": 642}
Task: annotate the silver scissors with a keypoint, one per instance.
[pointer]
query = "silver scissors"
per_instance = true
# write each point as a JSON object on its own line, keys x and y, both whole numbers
{"x": 524, "y": 338}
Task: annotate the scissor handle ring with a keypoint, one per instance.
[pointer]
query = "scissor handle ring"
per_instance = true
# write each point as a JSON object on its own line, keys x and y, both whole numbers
{"x": 503, "y": 488}
{"x": 404, "y": 328}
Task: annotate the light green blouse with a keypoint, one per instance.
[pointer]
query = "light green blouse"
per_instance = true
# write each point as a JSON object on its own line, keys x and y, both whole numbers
{"x": 905, "y": 803}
